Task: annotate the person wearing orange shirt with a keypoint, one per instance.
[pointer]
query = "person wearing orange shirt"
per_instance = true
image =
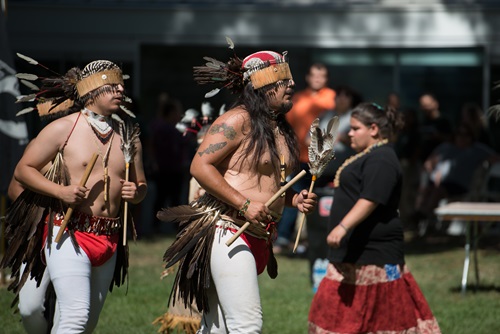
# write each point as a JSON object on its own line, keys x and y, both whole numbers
{"x": 310, "y": 104}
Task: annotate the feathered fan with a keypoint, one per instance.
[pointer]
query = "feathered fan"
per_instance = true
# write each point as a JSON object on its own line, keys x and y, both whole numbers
{"x": 130, "y": 135}
{"x": 320, "y": 153}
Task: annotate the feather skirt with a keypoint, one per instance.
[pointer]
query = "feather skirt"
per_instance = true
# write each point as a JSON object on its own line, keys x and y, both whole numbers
{"x": 192, "y": 249}
{"x": 25, "y": 220}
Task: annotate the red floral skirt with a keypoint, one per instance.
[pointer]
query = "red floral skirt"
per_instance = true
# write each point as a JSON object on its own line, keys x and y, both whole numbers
{"x": 370, "y": 299}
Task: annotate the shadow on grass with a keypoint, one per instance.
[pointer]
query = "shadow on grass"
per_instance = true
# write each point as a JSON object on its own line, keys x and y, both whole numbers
{"x": 440, "y": 242}
{"x": 472, "y": 288}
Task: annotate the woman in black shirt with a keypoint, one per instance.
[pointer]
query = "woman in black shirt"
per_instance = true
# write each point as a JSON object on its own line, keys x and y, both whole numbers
{"x": 368, "y": 288}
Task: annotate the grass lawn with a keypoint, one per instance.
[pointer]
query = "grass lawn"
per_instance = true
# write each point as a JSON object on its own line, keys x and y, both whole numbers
{"x": 435, "y": 262}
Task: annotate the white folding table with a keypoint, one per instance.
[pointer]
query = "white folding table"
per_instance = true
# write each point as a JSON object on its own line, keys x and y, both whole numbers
{"x": 471, "y": 213}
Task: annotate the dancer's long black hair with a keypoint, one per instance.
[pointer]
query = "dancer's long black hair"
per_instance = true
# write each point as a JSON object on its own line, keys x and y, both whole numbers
{"x": 261, "y": 135}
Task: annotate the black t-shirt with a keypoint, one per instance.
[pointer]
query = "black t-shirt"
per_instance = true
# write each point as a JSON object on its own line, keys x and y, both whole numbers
{"x": 375, "y": 176}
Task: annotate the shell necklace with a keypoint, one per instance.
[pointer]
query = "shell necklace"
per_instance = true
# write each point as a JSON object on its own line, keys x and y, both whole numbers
{"x": 336, "y": 180}
{"x": 101, "y": 125}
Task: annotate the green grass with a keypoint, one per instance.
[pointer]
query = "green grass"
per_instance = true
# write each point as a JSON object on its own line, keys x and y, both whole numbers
{"x": 436, "y": 264}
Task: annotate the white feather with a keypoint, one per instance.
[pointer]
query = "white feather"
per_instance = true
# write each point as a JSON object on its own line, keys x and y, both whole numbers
{"x": 27, "y": 76}
{"x": 181, "y": 127}
{"x": 206, "y": 109}
{"x": 189, "y": 115}
{"x": 30, "y": 85}
{"x": 222, "y": 109}
{"x": 230, "y": 42}
{"x": 26, "y": 98}
{"x": 211, "y": 93}
{"x": 28, "y": 59}
{"x": 25, "y": 111}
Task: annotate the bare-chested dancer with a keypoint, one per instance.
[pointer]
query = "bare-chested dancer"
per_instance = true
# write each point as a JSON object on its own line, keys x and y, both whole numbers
{"x": 239, "y": 164}
{"x": 81, "y": 265}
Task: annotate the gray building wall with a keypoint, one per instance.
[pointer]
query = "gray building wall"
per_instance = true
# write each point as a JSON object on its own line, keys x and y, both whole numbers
{"x": 160, "y": 41}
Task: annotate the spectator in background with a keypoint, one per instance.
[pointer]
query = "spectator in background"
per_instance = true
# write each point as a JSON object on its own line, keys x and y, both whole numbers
{"x": 451, "y": 167}
{"x": 394, "y": 101}
{"x": 169, "y": 155}
{"x": 473, "y": 115}
{"x": 407, "y": 148}
{"x": 435, "y": 128}
{"x": 308, "y": 105}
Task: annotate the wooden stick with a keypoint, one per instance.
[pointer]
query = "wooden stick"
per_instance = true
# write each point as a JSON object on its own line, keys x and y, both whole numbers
{"x": 125, "y": 207}
{"x": 83, "y": 181}
{"x": 303, "y": 217}
{"x": 268, "y": 203}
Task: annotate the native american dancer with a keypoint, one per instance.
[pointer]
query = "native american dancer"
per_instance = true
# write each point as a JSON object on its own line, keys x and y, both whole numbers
{"x": 64, "y": 230}
{"x": 238, "y": 164}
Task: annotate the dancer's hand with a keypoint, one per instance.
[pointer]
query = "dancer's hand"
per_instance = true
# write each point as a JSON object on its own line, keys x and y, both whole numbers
{"x": 129, "y": 190}
{"x": 72, "y": 194}
{"x": 306, "y": 202}
{"x": 257, "y": 212}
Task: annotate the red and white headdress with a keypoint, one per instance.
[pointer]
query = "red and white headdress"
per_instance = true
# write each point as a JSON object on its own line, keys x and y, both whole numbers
{"x": 261, "y": 68}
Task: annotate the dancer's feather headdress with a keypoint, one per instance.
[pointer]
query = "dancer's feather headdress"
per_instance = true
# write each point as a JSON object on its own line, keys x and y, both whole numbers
{"x": 262, "y": 68}
{"x": 60, "y": 95}
{"x": 194, "y": 121}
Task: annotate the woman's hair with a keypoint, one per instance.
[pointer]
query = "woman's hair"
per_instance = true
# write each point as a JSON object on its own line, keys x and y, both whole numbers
{"x": 261, "y": 136}
{"x": 388, "y": 120}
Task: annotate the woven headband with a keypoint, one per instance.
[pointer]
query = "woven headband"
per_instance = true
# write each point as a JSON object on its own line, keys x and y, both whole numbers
{"x": 99, "y": 79}
{"x": 270, "y": 75}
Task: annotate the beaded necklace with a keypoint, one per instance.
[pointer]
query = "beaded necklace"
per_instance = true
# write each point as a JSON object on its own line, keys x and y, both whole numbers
{"x": 336, "y": 180}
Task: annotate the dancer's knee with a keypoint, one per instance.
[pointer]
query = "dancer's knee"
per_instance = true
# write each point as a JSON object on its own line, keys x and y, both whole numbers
{"x": 32, "y": 317}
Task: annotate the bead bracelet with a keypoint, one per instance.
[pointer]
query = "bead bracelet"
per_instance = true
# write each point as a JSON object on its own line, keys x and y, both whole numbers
{"x": 244, "y": 208}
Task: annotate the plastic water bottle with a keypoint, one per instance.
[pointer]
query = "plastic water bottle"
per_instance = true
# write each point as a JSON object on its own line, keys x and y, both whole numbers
{"x": 319, "y": 271}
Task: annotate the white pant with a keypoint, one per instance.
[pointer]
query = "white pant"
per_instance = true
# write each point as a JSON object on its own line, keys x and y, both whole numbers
{"x": 31, "y": 304}
{"x": 234, "y": 298}
{"x": 80, "y": 288}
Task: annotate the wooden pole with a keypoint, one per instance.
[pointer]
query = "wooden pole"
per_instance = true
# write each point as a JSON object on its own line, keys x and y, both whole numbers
{"x": 125, "y": 207}
{"x": 83, "y": 181}
{"x": 268, "y": 203}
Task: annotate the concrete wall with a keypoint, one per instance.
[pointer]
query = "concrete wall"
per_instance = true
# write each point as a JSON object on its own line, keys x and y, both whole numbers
{"x": 78, "y": 31}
